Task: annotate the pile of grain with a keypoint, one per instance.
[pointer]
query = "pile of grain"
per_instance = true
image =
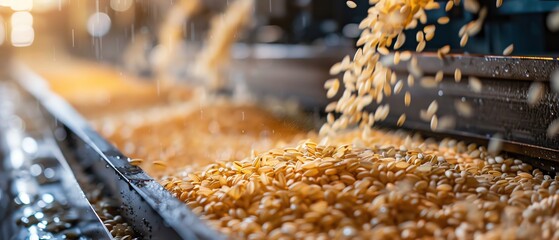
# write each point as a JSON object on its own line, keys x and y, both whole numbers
{"x": 176, "y": 138}
{"x": 383, "y": 186}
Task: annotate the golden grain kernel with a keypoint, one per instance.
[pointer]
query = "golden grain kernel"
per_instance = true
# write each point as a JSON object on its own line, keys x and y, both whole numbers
{"x": 444, "y": 187}
{"x": 405, "y": 55}
{"x": 457, "y": 75}
{"x": 464, "y": 40}
{"x": 433, "y": 107}
{"x": 135, "y": 161}
{"x": 443, "y": 20}
{"x": 449, "y": 6}
{"x": 498, "y": 3}
{"x": 383, "y": 50}
{"x": 400, "y": 40}
{"x": 420, "y": 46}
{"x": 411, "y": 80}
{"x": 401, "y": 120}
{"x": 160, "y": 164}
{"x": 508, "y": 50}
{"x": 407, "y": 99}
{"x": 439, "y": 76}
{"x": 311, "y": 173}
{"x": 481, "y": 190}
{"x": 434, "y": 123}
{"x": 419, "y": 36}
{"x": 351, "y": 4}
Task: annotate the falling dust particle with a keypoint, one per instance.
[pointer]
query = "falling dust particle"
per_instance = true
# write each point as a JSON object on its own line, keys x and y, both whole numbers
{"x": 553, "y": 21}
{"x": 475, "y": 84}
{"x": 446, "y": 123}
{"x": 555, "y": 81}
{"x": 553, "y": 129}
{"x": 428, "y": 82}
{"x": 463, "y": 108}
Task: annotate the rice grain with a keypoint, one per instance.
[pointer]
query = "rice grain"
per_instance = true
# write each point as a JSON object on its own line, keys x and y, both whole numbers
{"x": 400, "y": 40}
{"x": 351, "y": 4}
{"x": 535, "y": 94}
{"x": 508, "y": 50}
{"x": 449, "y": 6}
{"x": 420, "y": 46}
{"x": 475, "y": 84}
{"x": 398, "y": 87}
{"x": 439, "y": 76}
{"x": 434, "y": 123}
{"x": 407, "y": 99}
{"x": 401, "y": 120}
{"x": 464, "y": 40}
{"x": 443, "y": 20}
{"x": 457, "y": 75}
{"x": 411, "y": 80}
{"x": 433, "y": 107}
{"x": 498, "y": 3}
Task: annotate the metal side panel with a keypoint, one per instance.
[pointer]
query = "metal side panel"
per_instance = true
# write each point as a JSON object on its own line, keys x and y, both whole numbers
{"x": 500, "y": 107}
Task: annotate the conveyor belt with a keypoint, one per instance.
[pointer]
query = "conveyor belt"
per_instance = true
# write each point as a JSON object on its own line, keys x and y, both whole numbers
{"x": 152, "y": 211}
{"x": 501, "y": 107}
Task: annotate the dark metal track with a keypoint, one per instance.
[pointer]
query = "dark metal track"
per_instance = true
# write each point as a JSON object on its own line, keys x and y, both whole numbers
{"x": 153, "y": 212}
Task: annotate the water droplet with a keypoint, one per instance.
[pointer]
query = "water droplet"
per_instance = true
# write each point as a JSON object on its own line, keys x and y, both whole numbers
{"x": 506, "y": 68}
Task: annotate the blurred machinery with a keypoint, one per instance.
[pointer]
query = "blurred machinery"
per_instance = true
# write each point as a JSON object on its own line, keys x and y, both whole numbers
{"x": 329, "y": 23}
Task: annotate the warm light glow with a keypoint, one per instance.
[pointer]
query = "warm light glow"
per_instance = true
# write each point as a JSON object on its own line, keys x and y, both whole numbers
{"x": 5, "y": 3}
{"x": 21, "y": 5}
{"x": 22, "y": 19}
{"x": 2, "y": 31}
{"x": 98, "y": 24}
{"x": 46, "y": 5}
{"x": 121, "y": 5}
{"x": 22, "y": 36}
